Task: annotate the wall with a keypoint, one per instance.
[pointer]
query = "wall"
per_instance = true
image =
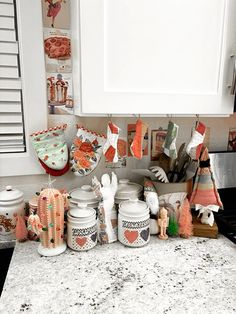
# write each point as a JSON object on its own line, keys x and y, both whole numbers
{"x": 30, "y": 184}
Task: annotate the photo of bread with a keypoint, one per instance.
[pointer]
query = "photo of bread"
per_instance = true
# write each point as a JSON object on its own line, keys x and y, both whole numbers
{"x": 57, "y": 47}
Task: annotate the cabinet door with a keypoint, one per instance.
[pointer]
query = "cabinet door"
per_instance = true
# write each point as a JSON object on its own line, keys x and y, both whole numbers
{"x": 157, "y": 56}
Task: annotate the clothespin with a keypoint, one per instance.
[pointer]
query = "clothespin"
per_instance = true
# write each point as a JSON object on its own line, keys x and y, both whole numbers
{"x": 197, "y": 115}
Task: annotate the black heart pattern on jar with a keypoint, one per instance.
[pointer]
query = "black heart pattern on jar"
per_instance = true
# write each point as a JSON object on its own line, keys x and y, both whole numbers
{"x": 94, "y": 237}
{"x": 144, "y": 234}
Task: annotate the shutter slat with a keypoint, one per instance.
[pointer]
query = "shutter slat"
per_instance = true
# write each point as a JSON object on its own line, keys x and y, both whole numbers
{"x": 10, "y": 95}
{"x": 11, "y": 143}
{"x": 8, "y": 47}
{"x": 6, "y": 1}
{"x": 11, "y": 137}
{"x": 9, "y": 72}
{"x": 10, "y": 107}
{"x": 10, "y": 83}
{"x": 7, "y": 9}
{"x": 11, "y": 129}
{"x": 7, "y": 35}
{"x": 8, "y": 60}
{"x": 10, "y": 149}
{"x": 7, "y": 22}
{"x": 11, "y": 118}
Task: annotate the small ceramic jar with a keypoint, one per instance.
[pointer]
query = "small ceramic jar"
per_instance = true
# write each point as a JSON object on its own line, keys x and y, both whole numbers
{"x": 11, "y": 204}
{"x": 81, "y": 228}
{"x": 127, "y": 190}
{"x": 33, "y": 205}
{"x": 133, "y": 223}
{"x": 84, "y": 195}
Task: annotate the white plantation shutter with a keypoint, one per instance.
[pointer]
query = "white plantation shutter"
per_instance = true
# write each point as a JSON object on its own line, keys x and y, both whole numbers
{"x": 12, "y": 137}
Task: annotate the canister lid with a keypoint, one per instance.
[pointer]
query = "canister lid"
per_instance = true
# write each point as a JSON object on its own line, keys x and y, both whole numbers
{"x": 133, "y": 207}
{"x": 84, "y": 194}
{"x": 33, "y": 202}
{"x": 127, "y": 188}
{"x": 10, "y": 194}
{"x": 82, "y": 211}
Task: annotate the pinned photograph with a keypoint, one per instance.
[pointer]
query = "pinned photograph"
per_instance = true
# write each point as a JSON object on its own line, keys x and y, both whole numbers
{"x": 232, "y": 139}
{"x": 157, "y": 140}
{"x": 56, "y": 13}
{"x": 57, "y": 47}
{"x": 59, "y": 92}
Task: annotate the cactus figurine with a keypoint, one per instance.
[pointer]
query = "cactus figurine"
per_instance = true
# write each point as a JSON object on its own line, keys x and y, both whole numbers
{"x": 51, "y": 214}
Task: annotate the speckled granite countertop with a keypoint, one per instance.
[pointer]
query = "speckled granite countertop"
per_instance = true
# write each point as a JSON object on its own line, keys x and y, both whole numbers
{"x": 173, "y": 276}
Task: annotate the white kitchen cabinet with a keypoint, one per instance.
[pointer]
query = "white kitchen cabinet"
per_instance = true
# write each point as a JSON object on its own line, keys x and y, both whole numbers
{"x": 155, "y": 56}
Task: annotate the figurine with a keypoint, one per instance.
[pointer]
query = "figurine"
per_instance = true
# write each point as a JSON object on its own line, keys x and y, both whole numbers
{"x": 51, "y": 215}
{"x": 153, "y": 203}
{"x": 207, "y": 213}
{"x": 163, "y": 223}
{"x": 107, "y": 215}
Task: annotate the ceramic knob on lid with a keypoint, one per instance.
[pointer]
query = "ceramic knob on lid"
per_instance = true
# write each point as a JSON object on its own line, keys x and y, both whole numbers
{"x": 11, "y": 204}
{"x": 84, "y": 194}
{"x": 127, "y": 190}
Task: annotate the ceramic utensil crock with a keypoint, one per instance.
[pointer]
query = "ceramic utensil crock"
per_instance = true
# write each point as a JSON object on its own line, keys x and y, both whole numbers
{"x": 11, "y": 204}
{"x": 81, "y": 228}
{"x": 133, "y": 223}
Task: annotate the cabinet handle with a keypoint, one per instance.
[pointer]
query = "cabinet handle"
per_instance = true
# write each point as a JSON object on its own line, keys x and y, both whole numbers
{"x": 232, "y": 86}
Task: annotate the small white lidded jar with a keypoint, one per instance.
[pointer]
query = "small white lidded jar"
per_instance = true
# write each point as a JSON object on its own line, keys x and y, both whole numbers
{"x": 11, "y": 205}
{"x": 127, "y": 190}
{"x": 133, "y": 223}
{"x": 81, "y": 228}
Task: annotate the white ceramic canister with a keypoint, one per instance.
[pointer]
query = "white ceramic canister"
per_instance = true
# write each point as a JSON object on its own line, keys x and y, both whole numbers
{"x": 81, "y": 228}
{"x": 11, "y": 204}
{"x": 128, "y": 190}
{"x": 133, "y": 223}
{"x": 84, "y": 195}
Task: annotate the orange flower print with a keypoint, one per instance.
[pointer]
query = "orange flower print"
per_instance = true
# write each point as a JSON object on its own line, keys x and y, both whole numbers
{"x": 77, "y": 142}
{"x": 78, "y": 154}
{"x": 90, "y": 154}
{"x": 45, "y": 158}
{"x": 86, "y": 147}
{"x": 84, "y": 163}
